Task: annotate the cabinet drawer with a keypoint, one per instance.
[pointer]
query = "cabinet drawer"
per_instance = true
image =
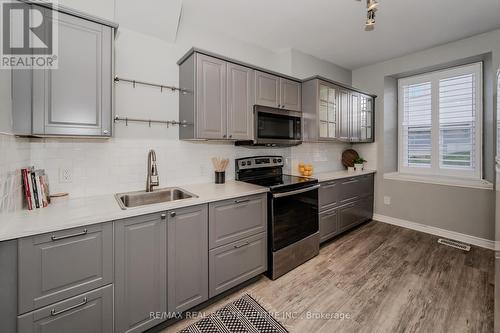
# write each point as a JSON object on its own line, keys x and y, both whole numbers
{"x": 328, "y": 195}
{"x": 235, "y": 219}
{"x": 89, "y": 312}
{"x": 349, "y": 189}
{"x": 350, "y": 215}
{"x": 366, "y": 185}
{"x": 232, "y": 264}
{"x": 63, "y": 264}
{"x": 328, "y": 224}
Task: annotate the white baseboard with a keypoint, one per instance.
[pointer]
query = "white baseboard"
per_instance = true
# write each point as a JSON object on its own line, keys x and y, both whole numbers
{"x": 481, "y": 242}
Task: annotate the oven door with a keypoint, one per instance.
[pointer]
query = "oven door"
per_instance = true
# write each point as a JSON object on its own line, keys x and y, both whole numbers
{"x": 274, "y": 126}
{"x": 294, "y": 216}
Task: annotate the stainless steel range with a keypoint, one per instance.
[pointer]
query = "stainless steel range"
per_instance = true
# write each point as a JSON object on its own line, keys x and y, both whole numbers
{"x": 292, "y": 211}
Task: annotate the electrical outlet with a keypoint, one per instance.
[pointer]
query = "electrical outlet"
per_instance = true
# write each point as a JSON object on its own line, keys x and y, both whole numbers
{"x": 65, "y": 175}
{"x": 387, "y": 200}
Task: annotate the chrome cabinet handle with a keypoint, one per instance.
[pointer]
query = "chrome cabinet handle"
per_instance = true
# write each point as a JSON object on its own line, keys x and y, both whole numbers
{"x": 241, "y": 201}
{"x": 105, "y": 132}
{"x": 241, "y": 245}
{"x": 349, "y": 199}
{"x": 53, "y": 312}
{"x": 230, "y": 136}
{"x": 54, "y": 237}
{"x": 224, "y": 136}
{"x": 163, "y": 216}
{"x": 173, "y": 214}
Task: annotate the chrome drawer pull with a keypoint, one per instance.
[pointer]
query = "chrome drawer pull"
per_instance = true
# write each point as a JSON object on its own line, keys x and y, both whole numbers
{"x": 241, "y": 245}
{"x": 54, "y": 237}
{"x": 53, "y": 312}
{"x": 349, "y": 199}
{"x": 241, "y": 201}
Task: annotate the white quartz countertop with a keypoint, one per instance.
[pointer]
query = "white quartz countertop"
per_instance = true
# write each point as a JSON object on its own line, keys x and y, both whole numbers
{"x": 332, "y": 175}
{"x": 67, "y": 213}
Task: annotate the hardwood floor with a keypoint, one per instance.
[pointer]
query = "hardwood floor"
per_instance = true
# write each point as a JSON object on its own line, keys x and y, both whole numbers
{"x": 386, "y": 279}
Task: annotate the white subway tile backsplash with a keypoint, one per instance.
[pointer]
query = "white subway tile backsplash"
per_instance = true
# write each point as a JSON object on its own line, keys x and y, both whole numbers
{"x": 119, "y": 164}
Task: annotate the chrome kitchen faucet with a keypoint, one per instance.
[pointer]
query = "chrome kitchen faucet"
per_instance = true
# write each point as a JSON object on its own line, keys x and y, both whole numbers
{"x": 153, "y": 179}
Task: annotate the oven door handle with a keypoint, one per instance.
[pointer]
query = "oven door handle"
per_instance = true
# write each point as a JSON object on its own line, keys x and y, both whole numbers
{"x": 302, "y": 190}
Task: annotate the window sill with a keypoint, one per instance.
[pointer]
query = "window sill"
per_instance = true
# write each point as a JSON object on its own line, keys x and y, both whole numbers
{"x": 470, "y": 183}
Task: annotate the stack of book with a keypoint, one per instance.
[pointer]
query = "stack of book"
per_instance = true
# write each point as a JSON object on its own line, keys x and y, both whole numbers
{"x": 36, "y": 188}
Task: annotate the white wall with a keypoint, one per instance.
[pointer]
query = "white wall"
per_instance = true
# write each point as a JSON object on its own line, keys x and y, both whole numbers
{"x": 119, "y": 164}
{"x": 465, "y": 210}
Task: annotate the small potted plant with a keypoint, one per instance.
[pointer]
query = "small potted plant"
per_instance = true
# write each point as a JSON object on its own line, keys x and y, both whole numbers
{"x": 359, "y": 163}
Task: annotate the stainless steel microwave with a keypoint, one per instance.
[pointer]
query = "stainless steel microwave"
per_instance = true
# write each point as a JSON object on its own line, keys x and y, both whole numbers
{"x": 276, "y": 127}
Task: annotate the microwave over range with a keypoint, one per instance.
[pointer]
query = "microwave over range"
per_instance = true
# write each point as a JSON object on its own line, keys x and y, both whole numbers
{"x": 275, "y": 128}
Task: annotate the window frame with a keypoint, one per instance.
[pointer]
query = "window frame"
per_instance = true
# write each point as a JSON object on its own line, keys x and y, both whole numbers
{"x": 434, "y": 77}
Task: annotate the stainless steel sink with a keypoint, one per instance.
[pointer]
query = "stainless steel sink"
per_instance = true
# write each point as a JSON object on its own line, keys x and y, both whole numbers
{"x": 142, "y": 198}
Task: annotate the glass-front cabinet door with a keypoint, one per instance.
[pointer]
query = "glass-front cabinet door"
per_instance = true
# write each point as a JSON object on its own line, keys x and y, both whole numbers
{"x": 327, "y": 112}
{"x": 366, "y": 118}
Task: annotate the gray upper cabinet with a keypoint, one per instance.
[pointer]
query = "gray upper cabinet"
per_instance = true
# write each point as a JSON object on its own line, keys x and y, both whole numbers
{"x": 89, "y": 312}
{"x": 320, "y": 110}
{"x": 75, "y": 99}
{"x": 277, "y": 92}
{"x": 211, "y": 104}
{"x": 219, "y": 101}
{"x": 355, "y": 117}
{"x": 187, "y": 257}
{"x": 367, "y": 118}
{"x": 291, "y": 95}
{"x": 140, "y": 271}
{"x": 332, "y": 112}
{"x": 267, "y": 90}
{"x": 63, "y": 264}
{"x": 240, "y": 100}
{"x": 343, "y": 115}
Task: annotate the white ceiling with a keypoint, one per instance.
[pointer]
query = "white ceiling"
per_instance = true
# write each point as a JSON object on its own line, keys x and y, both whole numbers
{"x": 333, "y": 29}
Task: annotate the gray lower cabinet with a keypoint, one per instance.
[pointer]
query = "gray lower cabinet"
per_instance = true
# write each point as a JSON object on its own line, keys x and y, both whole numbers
{"x": 62, "y": 264}
{"x": 91, "y": 312}
{"x": 187, "y": 257}
{"x": 328, "y": 224}
{"x": 237, "y": 262}
{"x": 235, "y": 219}
{"x": 328, "y": 194}
{"x": 350, "y": 189}
{"x": 345, "y": 203}
{"x": 140, "y": 271}
{"x": 350, "y": 215}
{"x": 74, "y": 99}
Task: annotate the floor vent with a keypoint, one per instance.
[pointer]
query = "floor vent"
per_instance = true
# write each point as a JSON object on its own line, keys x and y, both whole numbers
{"x": 455, "y": 244}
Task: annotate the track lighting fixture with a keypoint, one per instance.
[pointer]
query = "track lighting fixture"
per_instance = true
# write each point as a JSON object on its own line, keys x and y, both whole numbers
{"x": 371, "y": 7}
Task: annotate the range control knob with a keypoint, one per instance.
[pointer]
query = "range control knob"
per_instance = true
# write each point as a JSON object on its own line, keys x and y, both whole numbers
{"x": 279, "y": 160}
{"x": 249, "y": 163}
{"x": 243, "y": 163}
{"x": 275, "y": 160}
